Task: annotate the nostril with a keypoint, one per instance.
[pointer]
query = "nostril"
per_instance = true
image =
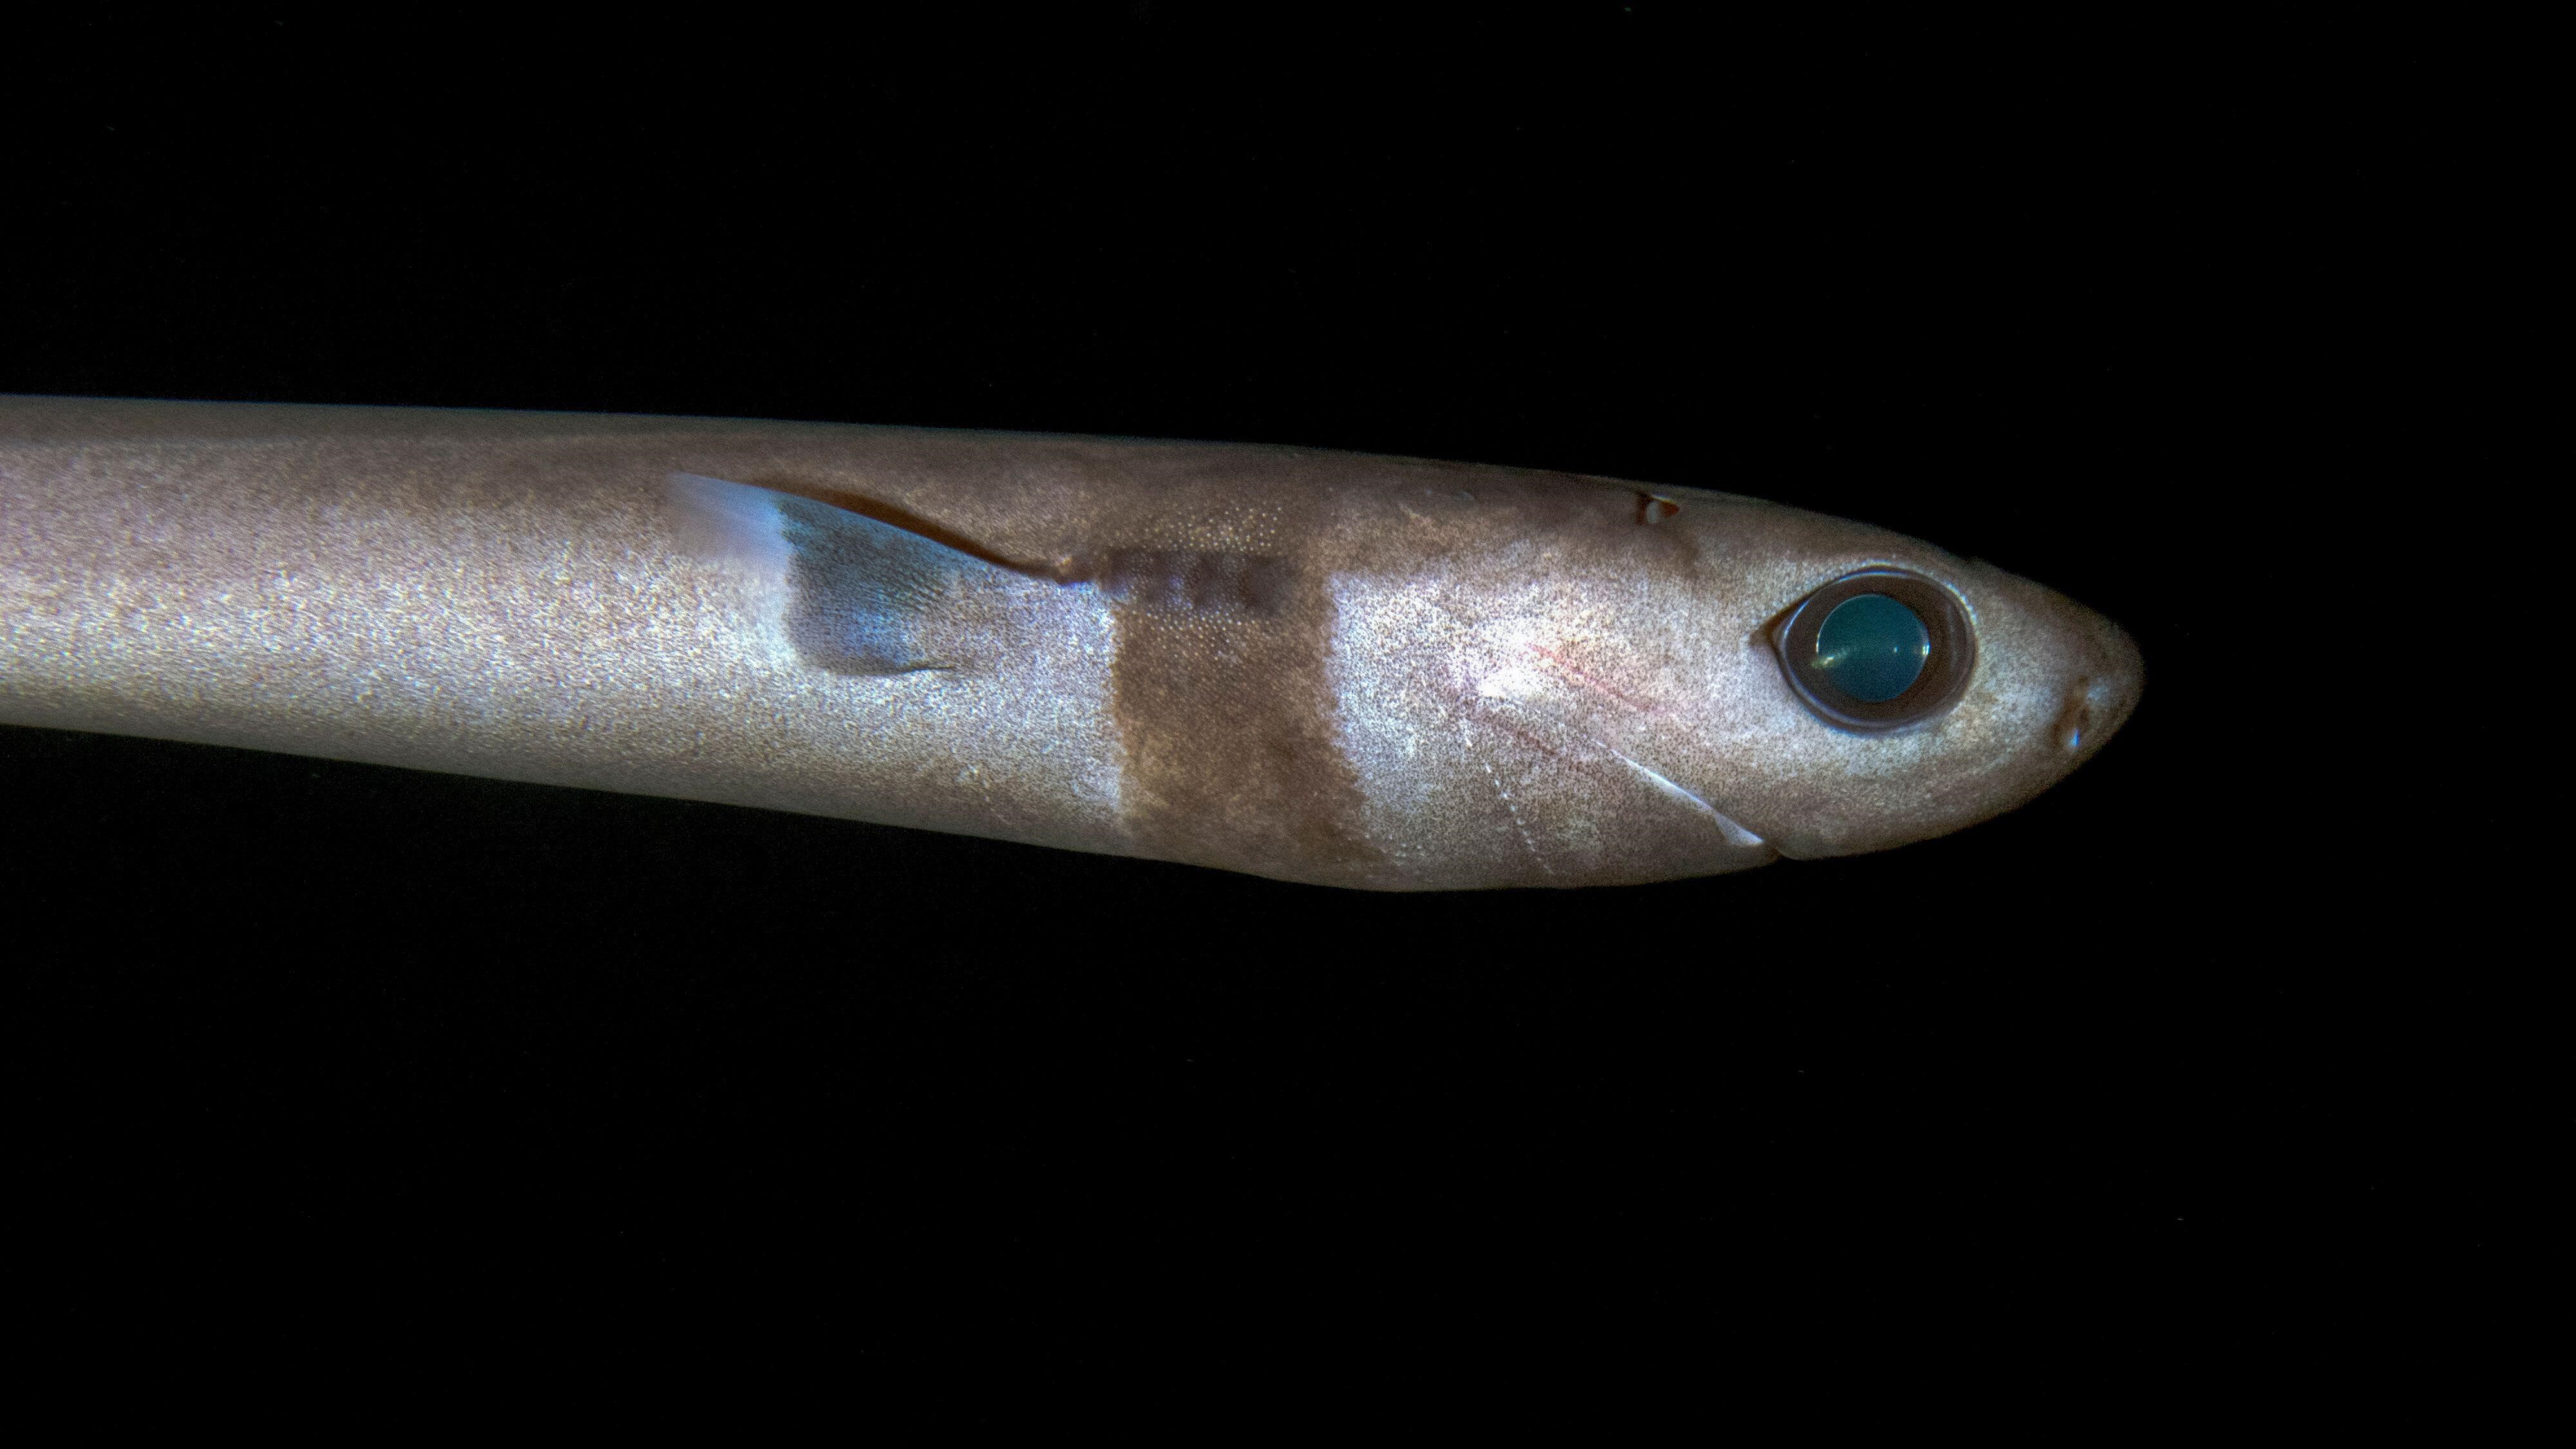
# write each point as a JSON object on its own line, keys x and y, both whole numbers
{"x": 2075, "y": 722}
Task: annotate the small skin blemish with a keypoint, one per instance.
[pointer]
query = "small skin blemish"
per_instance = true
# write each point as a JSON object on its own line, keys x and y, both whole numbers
{"x": 1654, "y": 508}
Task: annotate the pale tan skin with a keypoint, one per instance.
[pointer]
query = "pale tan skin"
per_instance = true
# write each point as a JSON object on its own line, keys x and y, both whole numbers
{"x": 1371, "y": 672}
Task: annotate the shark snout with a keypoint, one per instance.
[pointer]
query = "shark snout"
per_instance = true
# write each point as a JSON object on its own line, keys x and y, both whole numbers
{"x": 2100, "y": 699}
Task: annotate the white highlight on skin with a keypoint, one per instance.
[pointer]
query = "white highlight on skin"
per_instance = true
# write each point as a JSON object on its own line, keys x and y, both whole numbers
{"x": 1509, "y": 683}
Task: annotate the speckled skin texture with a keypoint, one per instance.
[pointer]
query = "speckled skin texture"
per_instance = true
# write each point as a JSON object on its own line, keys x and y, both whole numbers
{"x": 1323, "y": 667}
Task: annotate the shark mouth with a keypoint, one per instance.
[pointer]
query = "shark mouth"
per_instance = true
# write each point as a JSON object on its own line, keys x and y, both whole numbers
{"x": 1664, "y": 784}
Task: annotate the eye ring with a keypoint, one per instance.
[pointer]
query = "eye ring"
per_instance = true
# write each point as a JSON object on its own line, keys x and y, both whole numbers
{"x": 1949, "y": 651}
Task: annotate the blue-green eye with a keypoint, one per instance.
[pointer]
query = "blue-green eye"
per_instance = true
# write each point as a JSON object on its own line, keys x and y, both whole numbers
{"x": 1873, "y": 647}
{"x": 1877, "y": 650}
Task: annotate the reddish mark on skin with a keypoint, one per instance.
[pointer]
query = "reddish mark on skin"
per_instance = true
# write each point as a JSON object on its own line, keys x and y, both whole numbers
{"x": 1593, "y": 682}
{"x": 1654, "y": 508}
{"x": 1490, "y": 720}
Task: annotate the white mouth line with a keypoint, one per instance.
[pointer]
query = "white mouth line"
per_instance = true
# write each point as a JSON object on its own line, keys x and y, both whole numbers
{"x": 1735, "y": 834}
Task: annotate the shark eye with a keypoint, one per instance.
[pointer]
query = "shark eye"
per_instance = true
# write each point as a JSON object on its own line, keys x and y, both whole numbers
{"x": 1877, "y": 649}
{"x": 1872, "y": 648}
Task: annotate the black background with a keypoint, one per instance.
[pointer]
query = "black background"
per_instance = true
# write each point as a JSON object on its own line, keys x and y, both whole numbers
{"x": 355, "y": 1048}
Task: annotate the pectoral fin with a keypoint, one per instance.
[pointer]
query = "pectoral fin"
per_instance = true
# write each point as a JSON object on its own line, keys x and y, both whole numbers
{"x": 864, "y": 596}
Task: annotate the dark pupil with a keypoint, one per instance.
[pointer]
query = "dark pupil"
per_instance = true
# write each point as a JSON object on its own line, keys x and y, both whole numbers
{"x": 1872, "y": 647}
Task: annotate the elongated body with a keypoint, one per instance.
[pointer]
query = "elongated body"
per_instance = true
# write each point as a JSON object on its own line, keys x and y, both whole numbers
{"x": 1358, "y": 671}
